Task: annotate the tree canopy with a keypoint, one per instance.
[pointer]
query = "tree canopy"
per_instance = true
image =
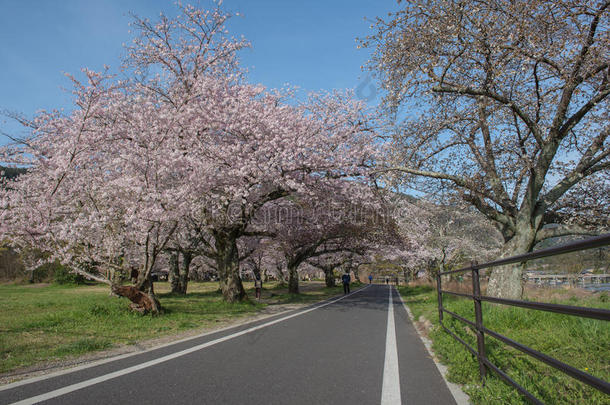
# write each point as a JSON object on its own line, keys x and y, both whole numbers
{"x": 506, "y": 108}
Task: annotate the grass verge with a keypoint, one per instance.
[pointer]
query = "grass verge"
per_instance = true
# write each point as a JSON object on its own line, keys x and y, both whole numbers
{"x": 49, "y": 323}
{"x": 581, "y": 343}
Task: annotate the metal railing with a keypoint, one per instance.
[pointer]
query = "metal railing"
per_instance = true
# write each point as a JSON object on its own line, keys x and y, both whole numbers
{"x": 481, "y": 331}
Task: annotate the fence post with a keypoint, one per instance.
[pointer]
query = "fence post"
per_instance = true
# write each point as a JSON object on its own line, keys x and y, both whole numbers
{"x": 478, "y": 313}
{"x": 440, "y": 298}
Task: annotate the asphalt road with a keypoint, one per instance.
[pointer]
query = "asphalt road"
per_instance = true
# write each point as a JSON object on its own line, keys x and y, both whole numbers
{"x": 358, "y": 349}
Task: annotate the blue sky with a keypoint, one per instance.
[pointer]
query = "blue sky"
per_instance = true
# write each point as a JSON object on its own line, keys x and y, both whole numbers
{"x": 309, "y": 44}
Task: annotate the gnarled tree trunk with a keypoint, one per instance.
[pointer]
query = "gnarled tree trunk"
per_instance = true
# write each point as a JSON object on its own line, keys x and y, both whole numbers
{"x": 179, "y": 271}
{"x": 507, "y": 281}
{"x": 144, "y": 285}
{"x": 329, "y": 277}
{"x": 174, "y": 271}
{"x": 140, "y": 301}
{"x": 293, "y": 280}
{"x": 227, "y": 261}
{"x": 183, "y": 276}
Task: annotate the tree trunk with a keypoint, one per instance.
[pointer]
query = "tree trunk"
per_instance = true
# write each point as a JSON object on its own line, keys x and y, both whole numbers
{"x": 507, "y": 281}
{"x": 281, "y": 276}
{"x": 265, "y": 276}
{"x": 227, "y": 261}
{"x": 441, "y": 269}
{"x": 329, "y": 277}
{"x": 140, "y": 301}
{"x": 174, "y": 272}
{"x": 407, "y": 274}
{"x": 145, "y": 285}
{"x": 257, "y": 272}
{"x": 183, "y": 276}
{"x": 293, "y": 280}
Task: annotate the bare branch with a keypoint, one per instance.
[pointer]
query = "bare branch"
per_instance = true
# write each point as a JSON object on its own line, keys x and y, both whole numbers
{"x": 563, "y": 230}
{"x": 457, "y": 89}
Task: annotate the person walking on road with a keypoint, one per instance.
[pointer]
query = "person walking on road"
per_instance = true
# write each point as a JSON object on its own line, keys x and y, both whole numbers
{"x": 345, "y": 279}
{"x": 387, "y": 280}
{"x": 258, "y": 285}
{"x": 370, "y": 278}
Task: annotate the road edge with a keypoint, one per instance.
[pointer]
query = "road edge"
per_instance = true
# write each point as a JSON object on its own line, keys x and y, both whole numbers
{"x": 460, "y": 397}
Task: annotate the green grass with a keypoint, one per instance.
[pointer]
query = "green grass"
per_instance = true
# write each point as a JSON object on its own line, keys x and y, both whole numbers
{"x": 581, "y": 343}
{"x": 40, "y": 323}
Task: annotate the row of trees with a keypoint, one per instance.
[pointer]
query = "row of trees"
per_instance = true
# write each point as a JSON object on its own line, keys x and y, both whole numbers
{"x": 506, "y": 107}
{"x": 181, "y": 157}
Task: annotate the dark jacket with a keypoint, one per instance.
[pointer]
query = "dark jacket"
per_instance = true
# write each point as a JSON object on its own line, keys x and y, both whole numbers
{"x": 346, "y": 278}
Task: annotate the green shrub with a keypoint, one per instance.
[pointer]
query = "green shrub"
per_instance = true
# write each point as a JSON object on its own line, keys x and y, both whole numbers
{"x": 62, "y": 275}
{"x": 41, "y": 274}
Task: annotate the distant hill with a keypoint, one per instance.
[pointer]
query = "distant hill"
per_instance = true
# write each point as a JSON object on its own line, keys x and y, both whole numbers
{"x": 597, "y": 259}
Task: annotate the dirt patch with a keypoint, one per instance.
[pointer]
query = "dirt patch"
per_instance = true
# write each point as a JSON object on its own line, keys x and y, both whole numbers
{"x": 424, "y": 326}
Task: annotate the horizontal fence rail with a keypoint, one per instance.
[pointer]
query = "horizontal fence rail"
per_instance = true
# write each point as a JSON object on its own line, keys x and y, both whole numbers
{"x": 480, "y": 330}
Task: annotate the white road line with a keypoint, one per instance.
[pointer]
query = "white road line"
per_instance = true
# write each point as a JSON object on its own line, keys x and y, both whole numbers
{"x": 106, "y": 377}
{"x": 390, "y": 391}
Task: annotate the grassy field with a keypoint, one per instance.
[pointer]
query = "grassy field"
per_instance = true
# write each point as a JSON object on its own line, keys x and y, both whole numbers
{"x": 582, "y": 343}
{"x": 41, "y": 323}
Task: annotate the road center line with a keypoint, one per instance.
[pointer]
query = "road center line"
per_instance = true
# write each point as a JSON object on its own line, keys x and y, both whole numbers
{"x": 128, "y": 370}
{"x": 390, "y": 391}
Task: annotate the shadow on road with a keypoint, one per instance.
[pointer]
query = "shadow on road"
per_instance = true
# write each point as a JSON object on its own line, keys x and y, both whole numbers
{"x": 373, "y": 298}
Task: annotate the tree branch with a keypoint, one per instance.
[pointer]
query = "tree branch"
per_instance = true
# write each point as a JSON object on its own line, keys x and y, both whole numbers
{"x": 90, "y": 276}
{"x": 460, "y": 181}
{"x": 563, "y": 230}
{"x": 587, "y": 166}
{"x": 489, "y": 211}
{"x": 457, "y": 89}
{"x": 457, "y": 180}
{"x": 582, "y": 111}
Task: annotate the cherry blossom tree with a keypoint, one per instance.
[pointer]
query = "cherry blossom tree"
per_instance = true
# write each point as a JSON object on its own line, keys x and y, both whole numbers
{"x": 256, "y": 256}
{"x": 102, "y": 182}
{"x": 179, "y": 157}
{"x": 94, "y": 196}
{"x": 274, "y": 263}
{"x": 331, "y": 261}
{"x": 326, "y": 227}
{"x": 458, "y": 235}
{"x": 258, "y": 148}
{"x": 508, "y": 111}
{"x": 191, "y": 241}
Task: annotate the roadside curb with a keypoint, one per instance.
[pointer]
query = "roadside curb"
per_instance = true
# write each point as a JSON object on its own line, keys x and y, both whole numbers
{"x": 461, "y": 398}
